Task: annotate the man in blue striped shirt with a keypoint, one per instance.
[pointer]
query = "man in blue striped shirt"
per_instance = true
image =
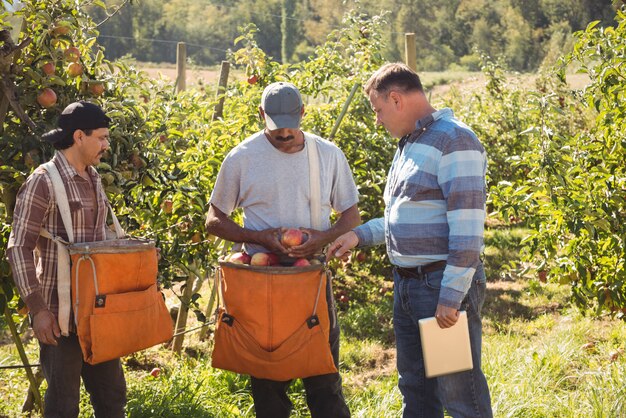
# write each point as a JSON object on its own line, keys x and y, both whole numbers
{"x": 433, "y": 229}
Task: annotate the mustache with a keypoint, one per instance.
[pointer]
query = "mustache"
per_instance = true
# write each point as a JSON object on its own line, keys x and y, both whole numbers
{"x": 285, "y": 138}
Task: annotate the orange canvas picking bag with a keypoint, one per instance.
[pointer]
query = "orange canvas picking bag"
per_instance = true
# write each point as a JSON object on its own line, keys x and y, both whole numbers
{"x": 110, "y": 287}
{"x": 116, "y": 303}
{"x": 273, "y": 322}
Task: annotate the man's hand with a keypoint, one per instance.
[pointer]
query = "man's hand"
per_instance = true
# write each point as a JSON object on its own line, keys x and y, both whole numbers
{"x": 446, "y": 316}
{"x": 315, "y": 241}
{"x": 341, "y": 247}
{"x": 270, "y": 240}
{"x": 46, "y": 327}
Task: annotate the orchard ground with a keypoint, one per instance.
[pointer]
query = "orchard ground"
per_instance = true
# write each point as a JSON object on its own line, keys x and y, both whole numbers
{"x": 437, "y": 83}
{"x": 542, "y": 358}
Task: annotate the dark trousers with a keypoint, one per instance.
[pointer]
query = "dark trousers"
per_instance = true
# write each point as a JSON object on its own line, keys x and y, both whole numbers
{"x": 63, "y": 367}
{"x": 324, "y": 396}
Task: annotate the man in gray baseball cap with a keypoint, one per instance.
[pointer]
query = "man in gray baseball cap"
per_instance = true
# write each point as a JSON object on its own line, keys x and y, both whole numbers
{"x": 282, "y": 106}
{"x": 267, "y": 175}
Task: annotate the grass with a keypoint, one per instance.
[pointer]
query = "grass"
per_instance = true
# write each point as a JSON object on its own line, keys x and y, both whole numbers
{"x": 541, "y": 357}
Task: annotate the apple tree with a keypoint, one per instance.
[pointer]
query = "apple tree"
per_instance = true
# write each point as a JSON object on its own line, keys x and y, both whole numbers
{"x": 574, "y": 196}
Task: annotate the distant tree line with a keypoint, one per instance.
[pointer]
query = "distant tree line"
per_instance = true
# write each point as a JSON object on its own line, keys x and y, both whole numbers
{"x": 451, "y": 34}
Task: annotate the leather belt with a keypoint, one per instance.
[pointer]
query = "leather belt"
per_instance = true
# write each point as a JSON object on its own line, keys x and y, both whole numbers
{"x": 419, "y": 271}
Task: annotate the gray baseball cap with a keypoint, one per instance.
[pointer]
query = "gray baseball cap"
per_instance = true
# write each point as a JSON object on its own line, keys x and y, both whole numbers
{"x": 282, "y": 105}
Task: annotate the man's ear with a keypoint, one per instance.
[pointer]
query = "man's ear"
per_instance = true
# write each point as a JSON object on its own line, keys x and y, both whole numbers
{"x": 261, "y": 114}
{"x": 78, "y": 135}
{"x": 396, "y": 99}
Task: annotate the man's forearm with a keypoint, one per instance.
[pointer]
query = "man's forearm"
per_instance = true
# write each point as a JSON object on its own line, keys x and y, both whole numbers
{"x": 229, "y": 230}
{"x": 350, "y": 218}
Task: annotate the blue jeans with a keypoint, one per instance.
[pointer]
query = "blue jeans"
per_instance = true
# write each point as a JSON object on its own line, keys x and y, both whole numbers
{"x": 463, "y": 394}
{"x": 63, "y": 367}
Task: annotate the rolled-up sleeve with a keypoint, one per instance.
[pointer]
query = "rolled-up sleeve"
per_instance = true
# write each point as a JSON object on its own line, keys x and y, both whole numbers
{"x": 30, "y": 212}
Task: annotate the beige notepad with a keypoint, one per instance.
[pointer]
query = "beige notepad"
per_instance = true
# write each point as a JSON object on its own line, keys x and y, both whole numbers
{"x": 445, "y": 350}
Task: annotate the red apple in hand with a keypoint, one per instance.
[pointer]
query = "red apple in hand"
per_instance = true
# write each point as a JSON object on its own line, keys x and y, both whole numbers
{"x": 300, "y": 262}
{"x": 292, "y": 237}
{"x": 239, "y": 258}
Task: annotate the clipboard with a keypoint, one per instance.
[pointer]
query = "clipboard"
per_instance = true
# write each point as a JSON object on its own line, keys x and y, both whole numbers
{"x": 445, "y": 350}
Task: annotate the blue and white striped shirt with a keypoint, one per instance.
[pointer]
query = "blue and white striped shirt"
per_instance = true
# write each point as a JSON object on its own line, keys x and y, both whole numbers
{"x": 435, "y": 203}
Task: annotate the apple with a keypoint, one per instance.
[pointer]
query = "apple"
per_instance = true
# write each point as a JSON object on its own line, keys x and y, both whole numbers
{"x": 542, "y": 276}
{"x": 274, "y": 259}
{"x": 48, "y": 68}
{"x": 300, "y": 262}
{"x": 155, "y": 372}
{"x": 47, "y": 98}
{"x": 167, "y": 206}
{"x": 163, "y": 138}
{"x": 253, "y": 79}
{"x": 361, "y": 256}
{"x": 74, "y": 69}
{"x": 343, "y": 297}
{"x": 239, "y": 258}
{"x": 260, "y": 259}
{"x": 96, "y": 89}
{"x": 292, "y": 237}
{"x": 72, "y": 54}
{"x": 60, "y": 28}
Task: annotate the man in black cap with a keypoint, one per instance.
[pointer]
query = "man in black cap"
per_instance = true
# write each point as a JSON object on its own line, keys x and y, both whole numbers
{"x": 81, "y": 139}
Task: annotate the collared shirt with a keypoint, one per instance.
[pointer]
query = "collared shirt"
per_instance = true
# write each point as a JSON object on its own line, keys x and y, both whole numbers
{"x": 435, "y": 203}
{"x": 33, "y": 258}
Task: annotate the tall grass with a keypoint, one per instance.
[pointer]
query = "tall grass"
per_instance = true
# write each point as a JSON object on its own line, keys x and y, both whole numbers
{"x": 542, "y": 359}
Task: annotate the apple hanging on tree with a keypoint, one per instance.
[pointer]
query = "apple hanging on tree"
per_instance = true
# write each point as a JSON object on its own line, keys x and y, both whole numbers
{"x": 47, "y": 98}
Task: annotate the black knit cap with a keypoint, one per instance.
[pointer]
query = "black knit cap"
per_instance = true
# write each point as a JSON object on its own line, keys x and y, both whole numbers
{"x": 78, "y": 115}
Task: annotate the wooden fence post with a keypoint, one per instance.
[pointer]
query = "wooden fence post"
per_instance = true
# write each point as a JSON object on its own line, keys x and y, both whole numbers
{"x": 181, "y": 67}
{"x": 221, "y": 89}
{"x": 410, "y": 51}
{"x": 183, "y": 311}
{"x": 210, "y": 305}
{"x": 34, "y": 384}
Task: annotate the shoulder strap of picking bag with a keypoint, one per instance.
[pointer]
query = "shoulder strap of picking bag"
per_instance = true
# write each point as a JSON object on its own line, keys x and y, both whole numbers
{"x": 314, "y": 183}
{"x": 63, "y": 261}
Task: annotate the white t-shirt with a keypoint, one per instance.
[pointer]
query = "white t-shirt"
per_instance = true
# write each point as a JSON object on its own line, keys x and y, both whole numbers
{"x": 272, "y": 186}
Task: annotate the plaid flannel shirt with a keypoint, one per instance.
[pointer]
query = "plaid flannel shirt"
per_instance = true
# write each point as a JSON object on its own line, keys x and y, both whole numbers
{"x": 33, "y": 258}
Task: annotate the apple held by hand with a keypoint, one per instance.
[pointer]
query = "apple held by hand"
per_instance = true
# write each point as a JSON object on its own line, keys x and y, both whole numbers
{"x": 293, "y": 237}
{"x": 239, "y": 258}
